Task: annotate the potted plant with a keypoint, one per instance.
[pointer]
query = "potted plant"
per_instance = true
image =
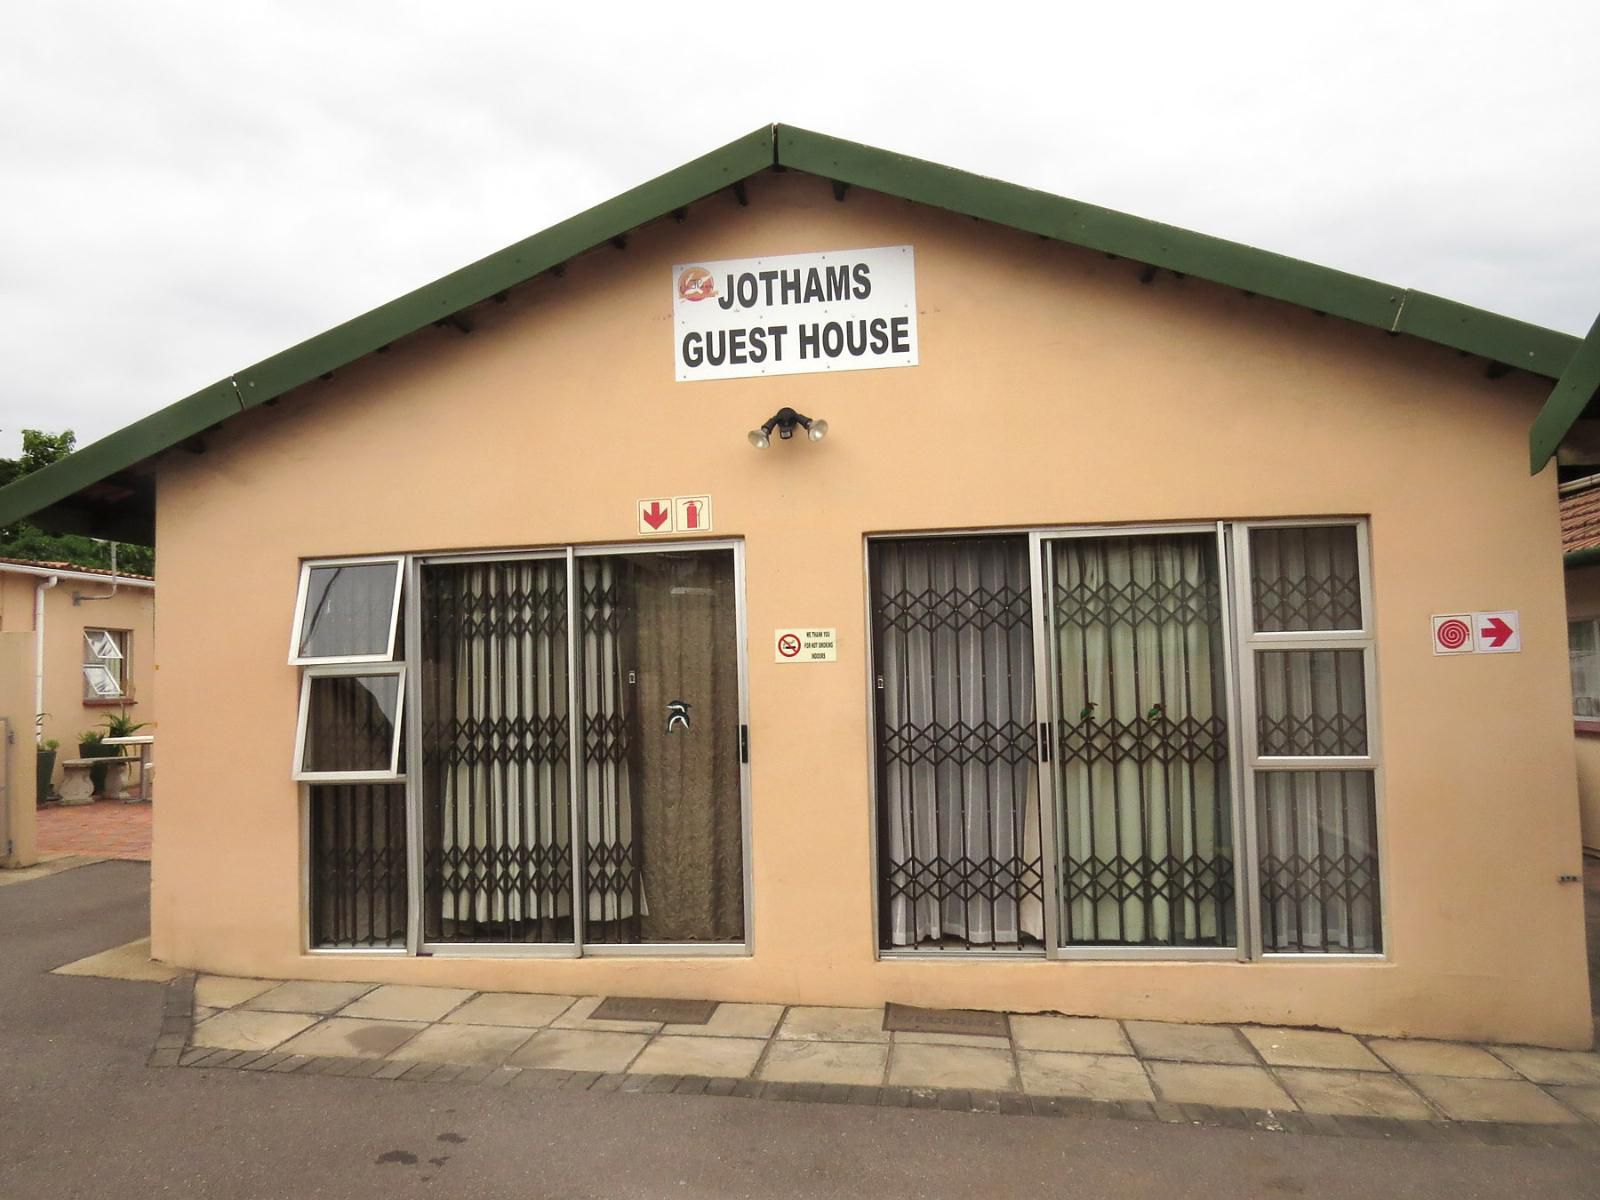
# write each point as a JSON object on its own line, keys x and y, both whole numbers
{"x": 46, "y": 769}
{"x": 92, "y": 745}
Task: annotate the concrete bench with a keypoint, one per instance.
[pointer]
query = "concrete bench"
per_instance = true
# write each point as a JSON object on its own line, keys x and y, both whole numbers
{"x": 76, "y": 785}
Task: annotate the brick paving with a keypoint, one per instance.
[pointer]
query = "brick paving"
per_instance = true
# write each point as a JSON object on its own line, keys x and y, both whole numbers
{"x": 104, "y": 829}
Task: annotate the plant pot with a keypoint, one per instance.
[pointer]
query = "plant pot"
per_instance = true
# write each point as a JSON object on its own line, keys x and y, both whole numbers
{"x": 97, "y": 775}
{"x": 46, "y": 772}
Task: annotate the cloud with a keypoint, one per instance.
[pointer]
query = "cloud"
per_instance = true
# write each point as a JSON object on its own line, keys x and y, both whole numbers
{"x": 192, "y": 187}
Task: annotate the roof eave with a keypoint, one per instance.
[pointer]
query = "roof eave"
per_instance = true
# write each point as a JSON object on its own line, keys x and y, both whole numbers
{"x": 1571, "y": 395}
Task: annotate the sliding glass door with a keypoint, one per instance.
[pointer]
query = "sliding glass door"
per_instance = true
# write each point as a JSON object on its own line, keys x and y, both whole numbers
{"x": 1137, "y": 675}
{"x": 588, "y": 699}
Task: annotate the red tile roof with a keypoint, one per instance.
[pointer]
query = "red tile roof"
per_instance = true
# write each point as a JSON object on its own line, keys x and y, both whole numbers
{"x": 45, "y": 565}
{"x": 1580, "y": 519}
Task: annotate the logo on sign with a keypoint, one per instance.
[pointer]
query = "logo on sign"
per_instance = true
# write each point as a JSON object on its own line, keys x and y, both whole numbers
{"x": 788, "y": 645}
{"x": 1453, "y": 633}
{"x": 696, "y": 283}
{"x": 1477, "y": 633}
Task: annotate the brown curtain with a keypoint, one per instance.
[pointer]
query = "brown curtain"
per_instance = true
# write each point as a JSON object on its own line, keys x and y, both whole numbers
{"x": 691, "y": 839}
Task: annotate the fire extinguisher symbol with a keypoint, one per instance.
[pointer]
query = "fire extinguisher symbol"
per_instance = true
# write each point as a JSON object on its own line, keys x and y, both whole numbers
{"x": 691, "y": 514}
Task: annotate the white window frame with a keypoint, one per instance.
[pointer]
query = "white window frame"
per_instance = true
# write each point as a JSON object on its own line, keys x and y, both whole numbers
{"x": 296, "y": 659}
{"x": 1249, "y": 641}
{"x": 96, "y": 639}
{"x": 393, "y": 774}
{"x": 1593, "y": 624}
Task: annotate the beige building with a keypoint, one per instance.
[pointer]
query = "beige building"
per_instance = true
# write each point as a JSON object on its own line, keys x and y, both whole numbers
{"x": 96, "y": 652}
{"x": 1080, "y": 656}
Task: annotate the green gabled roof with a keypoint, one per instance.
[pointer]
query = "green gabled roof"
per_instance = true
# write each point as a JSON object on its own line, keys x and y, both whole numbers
{"x": 1577, "y": 388}
{"x": 89, "y": 491}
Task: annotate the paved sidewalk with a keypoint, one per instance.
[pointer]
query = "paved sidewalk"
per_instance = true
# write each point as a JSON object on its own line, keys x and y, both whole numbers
{"x": 104, "y": 829}
{"x": 394, "y": 1030}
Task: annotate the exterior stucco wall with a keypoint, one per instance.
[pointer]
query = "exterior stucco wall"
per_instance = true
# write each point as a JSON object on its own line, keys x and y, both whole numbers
{"x": 1053, "y": 388}
{"x": 1583, "y": 602}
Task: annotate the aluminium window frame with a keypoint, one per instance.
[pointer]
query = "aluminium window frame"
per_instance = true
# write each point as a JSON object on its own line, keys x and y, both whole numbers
{"x": 1364, "y": 638}
{"x": 115, "y": 639}
{"x": 296, "y": 633}
{"x": 336, "y": 670}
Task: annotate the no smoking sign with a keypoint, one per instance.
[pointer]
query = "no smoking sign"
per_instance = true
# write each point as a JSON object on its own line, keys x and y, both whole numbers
{"x": 805, "y": 645}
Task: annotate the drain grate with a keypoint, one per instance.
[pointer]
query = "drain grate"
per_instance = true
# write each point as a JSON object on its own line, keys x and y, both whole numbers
{"x": 903, "y": 1018}
{"x": 669, "y": 1012}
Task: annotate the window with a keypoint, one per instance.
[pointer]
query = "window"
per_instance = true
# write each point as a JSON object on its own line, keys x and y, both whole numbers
{"x": 347, "y": 611}
{"x": 1583, "y": 648}
{"x": 350, "y": 723}
{"x": 105, "y": 664}
{"x": 1124, "y": 741}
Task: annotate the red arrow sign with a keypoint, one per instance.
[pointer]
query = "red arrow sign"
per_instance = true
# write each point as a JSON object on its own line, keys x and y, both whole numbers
{"x": 655, "y": 515}
{"x": 1497, "y": 632}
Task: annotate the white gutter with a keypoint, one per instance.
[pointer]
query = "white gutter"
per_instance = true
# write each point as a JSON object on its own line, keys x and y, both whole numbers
{"x": 43, "y": 586}
{"x": 74, "y": 576}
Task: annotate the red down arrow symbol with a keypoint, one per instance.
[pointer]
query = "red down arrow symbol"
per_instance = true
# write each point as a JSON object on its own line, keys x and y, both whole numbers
{"x": 655, "y": 514}
{"x": 1497, "y": 632}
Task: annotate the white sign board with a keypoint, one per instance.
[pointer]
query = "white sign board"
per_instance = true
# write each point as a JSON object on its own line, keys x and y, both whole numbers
{"x": 674, "y": 514}
{"x": 805, "y": 645}
{"x": 843, "y": 310}
{"x": 1477, "y": 632}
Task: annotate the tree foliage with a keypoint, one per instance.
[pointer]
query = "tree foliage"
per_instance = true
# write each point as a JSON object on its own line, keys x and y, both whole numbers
{"x": 25, "y": 540}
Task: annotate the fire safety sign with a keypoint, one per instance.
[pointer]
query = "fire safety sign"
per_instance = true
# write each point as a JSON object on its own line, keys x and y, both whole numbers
{"x": 1477, "y": 632}
{"x": 674, "y": 514}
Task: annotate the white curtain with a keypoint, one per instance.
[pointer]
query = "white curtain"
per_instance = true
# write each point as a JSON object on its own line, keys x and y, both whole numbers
{"x": 961, "y": 797}
{"x": 1319, "y": 860}
{"x": 1146, "y": 811}
{"x": 505, "y": 806}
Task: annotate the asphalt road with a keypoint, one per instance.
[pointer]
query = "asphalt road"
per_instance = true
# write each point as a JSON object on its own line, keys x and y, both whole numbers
{"x": 81, "y": 1115}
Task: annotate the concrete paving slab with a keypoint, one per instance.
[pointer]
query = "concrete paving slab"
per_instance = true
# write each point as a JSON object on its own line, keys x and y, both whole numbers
{"x": 352, "y": 1037}
{"x": 579, "y": 1050}
{"x": 1189, "y": 1043}
{"x": 1088, "y": 1076}
{"x": 241, "y": 1030}
{"x": 511, "y": 1008}
{"x": 1312, "y": 1048}
{"x": 720, "y": 1056}
{"x": 1585, "y": 1100}
{"x": 1551, "y": 1066}
{"x": 129, "y": 961}
{"x": 1493, "y": 1100}
{"x": 833, "y": 1025}
{"x": 1226, "y": 1086}
{"x": 914, "y": 1065}
{"x": 402, "y": 1002}
{"x": 465, "y": 1045}
{"x": 225, "y": 991}
{"x": 307, "y": 996}
{"x": 734, "y": 1020}
{"x": 578, "y": 1017}
{"x": 1411, "y": 1057}
{"x": 824, "y": 1062}
{"x": 1077, "y": 1035}
{"x": 1354, "y": 1094}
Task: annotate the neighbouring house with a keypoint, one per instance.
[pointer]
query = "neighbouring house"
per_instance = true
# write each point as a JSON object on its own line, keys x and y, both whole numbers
{"x": 1161, "y": 628}
{"x": 1580, "y": 545}
{"x": 93, "y": 637}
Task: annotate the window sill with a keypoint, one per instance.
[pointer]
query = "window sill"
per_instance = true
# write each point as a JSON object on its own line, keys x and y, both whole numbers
{"x": 1586, "y": 724}
{"x": 129, "y": 701}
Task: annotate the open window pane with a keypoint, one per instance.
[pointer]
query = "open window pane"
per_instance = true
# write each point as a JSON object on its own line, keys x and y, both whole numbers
{"x": 101, "y": 643}
{"x": 347, "y": 611}
{"x": 1305, "y": 578}
{"x": 100, "y": 683}
{"x": 350, "y": 724}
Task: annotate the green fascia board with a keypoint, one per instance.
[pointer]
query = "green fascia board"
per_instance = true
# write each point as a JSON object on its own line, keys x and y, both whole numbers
{"x": 1322, "y": 289}
{"x": 1568, "y": 399}
{"x": 1337, "y": 293}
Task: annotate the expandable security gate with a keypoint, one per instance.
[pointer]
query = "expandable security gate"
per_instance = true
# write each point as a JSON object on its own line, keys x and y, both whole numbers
{"x": 1070, "y": 759}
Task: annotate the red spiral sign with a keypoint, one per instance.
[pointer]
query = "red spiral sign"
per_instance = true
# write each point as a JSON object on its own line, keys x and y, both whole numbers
{"x": 1453, "y": 634}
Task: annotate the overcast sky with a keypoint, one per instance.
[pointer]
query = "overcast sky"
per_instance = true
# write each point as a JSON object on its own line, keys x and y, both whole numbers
{"x": 190, "y": 187}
